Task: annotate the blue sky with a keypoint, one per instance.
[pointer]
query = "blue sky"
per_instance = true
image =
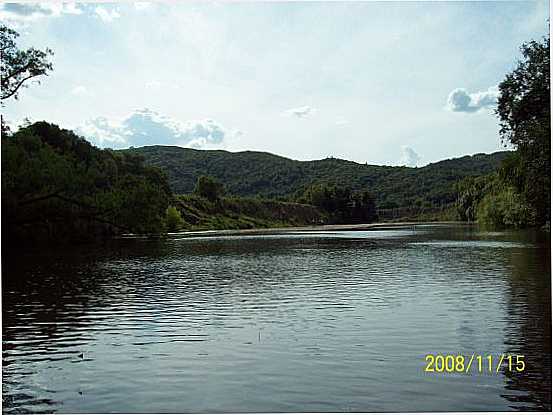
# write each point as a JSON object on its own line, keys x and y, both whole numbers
{"x": 378, "y": 82}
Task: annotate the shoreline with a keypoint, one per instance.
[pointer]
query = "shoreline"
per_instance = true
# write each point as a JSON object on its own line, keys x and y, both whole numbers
{"x": 313, "y": 228}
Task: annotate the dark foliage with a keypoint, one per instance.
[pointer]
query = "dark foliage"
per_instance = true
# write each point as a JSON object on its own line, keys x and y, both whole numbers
{"x": 57, "y": 186}
{"x": 17, "y": 66}
{"x": 518, "y": 194}
{"x": 471, "y": 191}
{"x": 209, "y": 188}
{"x": 524, "y": 111}
{"x": 341, "y": 204}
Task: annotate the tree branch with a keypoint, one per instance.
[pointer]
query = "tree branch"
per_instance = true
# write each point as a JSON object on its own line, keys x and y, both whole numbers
{"x": 16, "y": 72}
{"x": 17, "y": 87}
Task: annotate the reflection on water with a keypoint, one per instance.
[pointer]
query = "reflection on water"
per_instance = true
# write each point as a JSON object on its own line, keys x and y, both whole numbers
{"x": 315, "y": 321}
{"x": 529, "y": 331}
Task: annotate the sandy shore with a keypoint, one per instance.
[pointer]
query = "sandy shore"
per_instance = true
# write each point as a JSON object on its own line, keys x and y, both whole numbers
{"x": 317, "y": 228}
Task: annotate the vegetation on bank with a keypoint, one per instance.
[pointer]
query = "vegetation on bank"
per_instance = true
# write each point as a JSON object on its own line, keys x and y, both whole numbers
{"x": 57, "y": 186}
{"x": 518, "y": 194}
{"x": 199, "y": 213}
{"x": 491, "y": 202}
{"x": 341, "y": 204}
{"x": 446, "y": 213}
{"x": 207, "y": 208}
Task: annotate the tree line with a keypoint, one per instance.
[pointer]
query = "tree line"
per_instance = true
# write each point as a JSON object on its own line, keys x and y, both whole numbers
{"x": 518, "y": 194}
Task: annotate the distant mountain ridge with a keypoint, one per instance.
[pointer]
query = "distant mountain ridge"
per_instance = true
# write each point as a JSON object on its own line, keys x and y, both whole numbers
{"x": 251, "y": 173}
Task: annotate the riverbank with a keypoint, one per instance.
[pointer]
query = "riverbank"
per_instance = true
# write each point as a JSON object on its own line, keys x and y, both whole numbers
{"x": 201, "y": 214}
{"x": 317, "y": 228}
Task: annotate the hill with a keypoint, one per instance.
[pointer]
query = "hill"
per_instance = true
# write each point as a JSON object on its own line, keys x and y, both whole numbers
{"x": 251, "y": 173}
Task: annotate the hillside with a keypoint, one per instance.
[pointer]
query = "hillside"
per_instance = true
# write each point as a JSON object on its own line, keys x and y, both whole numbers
{"x": 251, "y": 173}
{"x": 199, "y": 213}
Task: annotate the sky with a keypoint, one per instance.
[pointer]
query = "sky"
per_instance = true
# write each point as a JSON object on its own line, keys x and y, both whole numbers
{"x": 387, "y": 83}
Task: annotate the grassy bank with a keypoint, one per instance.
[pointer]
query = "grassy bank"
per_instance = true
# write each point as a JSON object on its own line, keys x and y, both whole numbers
{"x": 416, "y": 214}
{"x": 199, "y": 213}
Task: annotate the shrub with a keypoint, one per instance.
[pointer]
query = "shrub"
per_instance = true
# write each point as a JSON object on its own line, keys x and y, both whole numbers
{"x": 173, "y": 219}
{"x": 506, "y": 208}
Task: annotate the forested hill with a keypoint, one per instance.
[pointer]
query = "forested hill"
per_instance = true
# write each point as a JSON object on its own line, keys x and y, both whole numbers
{"x": 251, "y": 173}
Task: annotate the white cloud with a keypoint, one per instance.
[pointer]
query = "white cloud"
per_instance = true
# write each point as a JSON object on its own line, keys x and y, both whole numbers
{"x": 142, "y": 5}
{"x": 409, "y": 157}
{"x": 341, "y": 122}
{"x": 81, "y": 91}
{"x": 301, "y": 112}
{"x": 26, "y": 12}
{"x": 65, "y": 8}
{"x": 486, "y": 98}
{"x": 153, "y": 84}
{"x": 459, "y": 100}
{"x": 107, "y": 15}
{"x": 145, "y": 127}
{"x": 105, "y": 133}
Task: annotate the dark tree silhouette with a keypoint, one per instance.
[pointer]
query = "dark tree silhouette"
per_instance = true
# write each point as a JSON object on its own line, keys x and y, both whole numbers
{"x": 525, "y": 122}
{"x": 19, "y": 66}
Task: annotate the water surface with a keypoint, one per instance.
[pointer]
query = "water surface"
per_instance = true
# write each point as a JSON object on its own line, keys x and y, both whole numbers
{"x": 295, "y": 322}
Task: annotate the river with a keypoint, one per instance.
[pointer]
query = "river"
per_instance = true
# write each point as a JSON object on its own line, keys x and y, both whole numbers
{"x": 297, "y": 321}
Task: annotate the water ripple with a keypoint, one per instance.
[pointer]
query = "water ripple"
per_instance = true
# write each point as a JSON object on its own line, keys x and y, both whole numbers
{"x": 300, "y": 321}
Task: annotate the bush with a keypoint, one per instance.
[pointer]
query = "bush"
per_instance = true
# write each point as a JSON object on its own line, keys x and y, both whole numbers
{"x": 505, "y": 209}
{"x": 173, "y": 219}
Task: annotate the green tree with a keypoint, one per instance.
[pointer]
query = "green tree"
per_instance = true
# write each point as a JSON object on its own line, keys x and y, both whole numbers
{"x": 209, "y": 188}
{"x": 470, "y": 191}
{"x": 58, "y": 182}
{"x": 341, "y": 203}
{"x": 19, "y": 66}
{"x": 363, "y": 207}
{"x": 173, "y": 219}
{"x": 525, "y": 122}
{"x": 505, "y": 208}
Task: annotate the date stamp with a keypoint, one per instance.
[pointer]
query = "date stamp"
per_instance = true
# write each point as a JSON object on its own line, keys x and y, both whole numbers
{"x": 475, "y": 363}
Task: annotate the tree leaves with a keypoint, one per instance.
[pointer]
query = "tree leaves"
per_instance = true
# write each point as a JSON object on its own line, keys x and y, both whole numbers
{"x": 54, "y": 178}
{"x": 19, "y": 66}
{"x": 524, "y": 111}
